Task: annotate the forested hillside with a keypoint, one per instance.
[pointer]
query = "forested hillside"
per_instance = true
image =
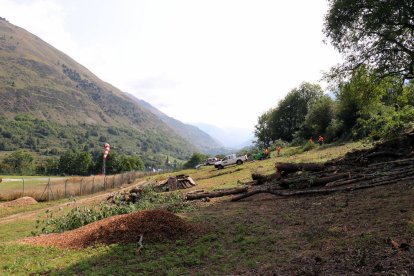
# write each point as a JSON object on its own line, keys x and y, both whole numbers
{"x": 192, "y": 134}
{"x": 50, "y": 103}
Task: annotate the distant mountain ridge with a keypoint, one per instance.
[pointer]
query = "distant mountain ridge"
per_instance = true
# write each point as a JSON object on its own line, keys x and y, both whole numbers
{"x": 41, "y": 81}
{"x": 235, "y": 138}
{"x": 192, "y": 134}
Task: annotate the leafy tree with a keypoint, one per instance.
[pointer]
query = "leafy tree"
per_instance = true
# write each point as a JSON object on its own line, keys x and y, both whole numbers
{"x": 49, "y": 166}
{"x": 263, "y": 131}
{"x": 18, "y": 162}
{"x": 320, "y": 116}
{"x": 290, "y": 114}
{"x": 373, "y": 33}
{"x": 363, "y": 92}
{"x": 196, "y": 158}
{"x": 75, "y": 163}
{"x": 384, "y": 122}
{"x": 83, "y": 163}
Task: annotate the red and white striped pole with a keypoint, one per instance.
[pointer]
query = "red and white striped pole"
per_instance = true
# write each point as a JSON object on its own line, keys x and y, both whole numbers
{"x": 106, "y": 151}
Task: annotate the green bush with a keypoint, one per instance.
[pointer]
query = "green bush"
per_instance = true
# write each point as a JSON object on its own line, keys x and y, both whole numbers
{"x": 384, "y": 122}
{"x": 309, "y": 146}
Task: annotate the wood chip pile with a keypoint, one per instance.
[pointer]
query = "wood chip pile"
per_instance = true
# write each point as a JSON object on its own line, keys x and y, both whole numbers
{"x": 152, "y": 226}
{"x": 23, "y": 201}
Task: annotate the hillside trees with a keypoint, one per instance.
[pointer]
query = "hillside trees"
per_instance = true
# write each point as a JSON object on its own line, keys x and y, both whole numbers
{"x": 284, "y": 120}
{"x": 319, "y": 118}
{"x": 263, "y": 130}
{"x": 364, "y": 106}
{"x": 116, "y": 163}
{"x": 196, "y": 158}
{"x": 18, "y": 162}
{"x": 75, "y": 163}
{"x": 376, "y": 34}
{"x": 288, "y": 117}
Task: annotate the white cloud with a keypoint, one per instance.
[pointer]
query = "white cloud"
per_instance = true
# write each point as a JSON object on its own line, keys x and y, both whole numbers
{"x": 218, "y": 62}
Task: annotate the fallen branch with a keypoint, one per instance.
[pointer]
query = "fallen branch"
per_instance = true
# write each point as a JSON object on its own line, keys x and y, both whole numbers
{"x": 139, "y": 244}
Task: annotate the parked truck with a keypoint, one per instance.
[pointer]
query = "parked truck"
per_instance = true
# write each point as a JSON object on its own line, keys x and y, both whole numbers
{"x": 230, "y": 160}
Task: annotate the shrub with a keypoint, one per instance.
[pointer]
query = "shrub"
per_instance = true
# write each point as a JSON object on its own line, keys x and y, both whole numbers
{"x": 384, "y": 122}
{"x": 309, "y": 145}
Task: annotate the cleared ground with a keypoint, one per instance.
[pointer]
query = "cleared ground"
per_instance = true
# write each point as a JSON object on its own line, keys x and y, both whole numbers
{"x": 350, "y": 233}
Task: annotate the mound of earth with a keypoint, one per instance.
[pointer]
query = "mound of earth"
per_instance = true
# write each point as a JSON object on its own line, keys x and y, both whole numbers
{"x": 23, "y": 201}
{"x": 154, "y": 225}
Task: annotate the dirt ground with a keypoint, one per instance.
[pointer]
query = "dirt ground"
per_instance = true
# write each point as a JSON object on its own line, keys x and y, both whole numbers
{"x": 364, "y": 232}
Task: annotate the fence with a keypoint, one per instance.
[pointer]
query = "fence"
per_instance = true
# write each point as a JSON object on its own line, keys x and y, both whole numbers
{"x": 53, "y": 188}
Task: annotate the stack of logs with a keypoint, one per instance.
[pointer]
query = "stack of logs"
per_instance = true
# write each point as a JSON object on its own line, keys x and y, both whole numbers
{"x": 176, "y": 182}
{"x": 387, "y": 163}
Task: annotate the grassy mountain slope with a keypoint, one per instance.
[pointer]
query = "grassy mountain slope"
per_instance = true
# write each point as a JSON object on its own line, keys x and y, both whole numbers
{"x": 41, "y": 81}
{"x": 192, "y": 134}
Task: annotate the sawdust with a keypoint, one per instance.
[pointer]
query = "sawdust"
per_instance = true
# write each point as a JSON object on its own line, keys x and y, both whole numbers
{"x": 154, "y": 225}
{"x": 23, "y": 201}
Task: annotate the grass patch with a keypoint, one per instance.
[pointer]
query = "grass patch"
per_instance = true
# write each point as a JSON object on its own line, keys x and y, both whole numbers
{"x": 7, "y": 211}
{"x": 16, "y": 230}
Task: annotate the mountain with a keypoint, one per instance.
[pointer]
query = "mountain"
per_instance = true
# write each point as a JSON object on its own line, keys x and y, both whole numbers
{"x": 192, "y": 134}
{"x": 235, "y": 138}
{"x": 48, "y": 97}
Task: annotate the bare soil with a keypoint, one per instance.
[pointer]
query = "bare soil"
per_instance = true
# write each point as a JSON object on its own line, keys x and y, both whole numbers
{"x": 364, "y": 232}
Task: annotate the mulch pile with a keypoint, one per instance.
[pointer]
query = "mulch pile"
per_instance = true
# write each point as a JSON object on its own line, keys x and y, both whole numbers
{"x": 23, "y": 201}
{"x": 154, "y": 225}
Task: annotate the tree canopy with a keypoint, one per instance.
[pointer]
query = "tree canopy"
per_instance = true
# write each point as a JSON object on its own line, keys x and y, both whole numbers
{"x": 377, "y": 34}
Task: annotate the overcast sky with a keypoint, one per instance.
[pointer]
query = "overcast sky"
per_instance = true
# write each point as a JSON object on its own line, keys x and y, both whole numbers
{"x": 220, "y": 62}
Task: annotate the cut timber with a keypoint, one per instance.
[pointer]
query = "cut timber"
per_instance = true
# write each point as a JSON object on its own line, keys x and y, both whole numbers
{"x": 261, "y": 179}
{"x": 307, "y": 182}
{"x": 294, "y": 167}
{"x": 370, "y": 184}
{"x": 383, "y": 154}
{"x": 192, "y": 196}
{"x": 176, "y": 182}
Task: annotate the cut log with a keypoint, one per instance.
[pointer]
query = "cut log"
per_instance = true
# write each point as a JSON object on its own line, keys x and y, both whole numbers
{"x": 261, "y": 178}
{"x": 294, "y": 167}
{"x": 195, "y": 192}
{"x": 307, "y": 182}
{"x": 216, "y": 193}
{"x": 408, "y": 161}
{"x": 383, "y": 154}
{"x": 371, "y": 184}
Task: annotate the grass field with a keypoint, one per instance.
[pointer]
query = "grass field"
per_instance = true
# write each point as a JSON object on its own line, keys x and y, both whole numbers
{"x": 339, "y": 234}
{"x": 60, "y": 187}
